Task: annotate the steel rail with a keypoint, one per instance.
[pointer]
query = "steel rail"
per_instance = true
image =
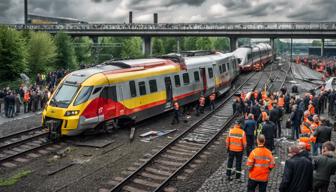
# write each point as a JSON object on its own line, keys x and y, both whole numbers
{"x": 150, "y": 161}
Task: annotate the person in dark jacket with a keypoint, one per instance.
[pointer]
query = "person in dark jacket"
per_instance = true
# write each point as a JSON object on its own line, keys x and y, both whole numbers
{"x": 295, "y": 119}
{"x": 287, "y": 103}
{"x": 268, "y": 129}
{"x": 249, "y": 128}
{"x": 331, "y": 101}
{"x": 11, "y": 105}
{"x": 275, "y": 117}
{"x": 256, "y": 111}
{"x": 324, "y": 166}
{"x": 298, "y": 172}
{"x": 238, "y": 106}
{"x": 322, "y": 133}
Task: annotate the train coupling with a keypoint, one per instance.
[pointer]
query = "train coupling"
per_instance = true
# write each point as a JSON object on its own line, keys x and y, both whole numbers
{"x": 54, "y": 131}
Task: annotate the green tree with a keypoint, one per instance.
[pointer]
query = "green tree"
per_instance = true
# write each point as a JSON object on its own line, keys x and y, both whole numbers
{"x": 190, "y": 43}
{"x": 42, "y": 52}
{"x": 13, "y": 54}
{"x": 83, "y": 49}
{"x": 221, "y": 44}
{"x": 204, "y": 43}
{"x": 66, "y": 56}
{"x": 131, "y": 48}
{"x": 316, "y": 43}
{"x": 157, "y": 47}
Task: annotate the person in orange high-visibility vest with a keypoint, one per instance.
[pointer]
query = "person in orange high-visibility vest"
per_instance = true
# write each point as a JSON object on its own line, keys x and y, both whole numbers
{"x": 260, "y": 163}
{"x": 311, "y": 108}
{"x": 212, "y": 98}
{"x": 176, "y": 118}
{"x": 235, "y": 143}
{"x": 26, "y": 99}
{"x": 281, "y": 101}
{"x": 306, "y": 130}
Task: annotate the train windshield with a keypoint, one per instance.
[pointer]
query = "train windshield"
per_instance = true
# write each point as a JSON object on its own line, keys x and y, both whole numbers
{"x": 64, "y": 96}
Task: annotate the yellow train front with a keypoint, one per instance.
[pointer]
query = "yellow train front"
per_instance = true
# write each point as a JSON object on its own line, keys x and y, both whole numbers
{"x": 125, "y": 92}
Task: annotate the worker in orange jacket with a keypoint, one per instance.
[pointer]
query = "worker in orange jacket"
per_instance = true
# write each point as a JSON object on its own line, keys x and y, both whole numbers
{"x": 260, "y": 163}
{"x": 311, "y": 108}
{"x": 281, "y": 102}
{"x": 306, "y": 130}
{"x": 235, "y": 143}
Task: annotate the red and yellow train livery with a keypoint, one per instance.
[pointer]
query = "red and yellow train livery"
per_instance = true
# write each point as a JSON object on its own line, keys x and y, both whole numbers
{"x": 122, "y": 92}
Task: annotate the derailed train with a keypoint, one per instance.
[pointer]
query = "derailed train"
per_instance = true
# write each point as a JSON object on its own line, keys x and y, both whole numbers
{"x": 116, "y": 93}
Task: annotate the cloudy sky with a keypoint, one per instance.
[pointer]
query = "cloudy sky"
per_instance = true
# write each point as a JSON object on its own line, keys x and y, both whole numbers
{"x": 116, "y": 11}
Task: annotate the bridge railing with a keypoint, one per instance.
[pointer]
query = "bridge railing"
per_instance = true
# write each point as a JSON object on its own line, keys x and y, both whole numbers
{"x": 326, "y": 26}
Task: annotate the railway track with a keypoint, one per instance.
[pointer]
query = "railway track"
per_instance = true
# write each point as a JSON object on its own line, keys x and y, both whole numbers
{"x": 156, "y": 172}
{"x": 21, "y": 143}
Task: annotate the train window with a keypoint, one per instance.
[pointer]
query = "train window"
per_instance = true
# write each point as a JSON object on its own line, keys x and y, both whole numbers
{"x": 112, "y": 92}
{"x": 228, "y": 66}
{"x": 177, "y": 81}
{"x": 238, "y": 61}
{"x": 210, "y": 73}
{"x": 186, "y": 78}
{"x": 220, "y": 69}
{"x": 83, "y": 96}
{"x": 152, "y": 86}
{"x": 196, "y": 76}
{"x": 249, "y": 56}
{"x": 223, "y": 68}
{"x": 132, "y": 89}
{"x": 96, "y": 90}
{"x": 142, "y": 88}
{"x": 109, "y": 93}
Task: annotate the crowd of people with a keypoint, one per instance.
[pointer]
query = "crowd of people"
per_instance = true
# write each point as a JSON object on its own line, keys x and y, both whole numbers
{"x": 29, "y": 98}
{"x": 325, "y": 65}
{"x": 313, "y": 150}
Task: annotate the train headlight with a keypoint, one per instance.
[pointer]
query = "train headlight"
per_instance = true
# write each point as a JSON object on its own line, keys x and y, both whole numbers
{"x": 71, "y": 113}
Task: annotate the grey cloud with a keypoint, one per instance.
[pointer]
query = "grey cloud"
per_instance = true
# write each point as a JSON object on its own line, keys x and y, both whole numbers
{"x": 237, "y": 3}
{"x": 260, "y": 10}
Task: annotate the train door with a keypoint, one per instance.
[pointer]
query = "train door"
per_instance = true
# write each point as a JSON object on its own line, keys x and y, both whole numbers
{"x": 169, "y": 91}
{"x": 106, "y": 107}
{"x": 204, "y": 79}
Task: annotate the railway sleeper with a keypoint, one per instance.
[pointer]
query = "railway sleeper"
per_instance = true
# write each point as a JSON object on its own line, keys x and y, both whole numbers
{"x": 158, "y": 171}
{"x": 169, "y": 163}
{"x": 152, "y": 176}
{"x": 133, "y": 189}
{"x": 183, "y": 146}
{"x": 175, "y": 148}
{"x": 176, "y": 158}
{"x": 178, "y": 153}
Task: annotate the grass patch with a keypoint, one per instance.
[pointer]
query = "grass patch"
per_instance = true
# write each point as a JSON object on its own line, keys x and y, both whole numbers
{"x": 13, "y": 179}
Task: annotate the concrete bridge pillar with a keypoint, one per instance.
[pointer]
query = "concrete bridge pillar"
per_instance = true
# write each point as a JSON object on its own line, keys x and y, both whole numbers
{"x": 322, "y": 47}
{"x": 233, "y": 43}
{"x": 272, "y": 42}
{"x": 178, "y": 48}
{"x": 94, "y": 39}
{"x": 147, "y": 46}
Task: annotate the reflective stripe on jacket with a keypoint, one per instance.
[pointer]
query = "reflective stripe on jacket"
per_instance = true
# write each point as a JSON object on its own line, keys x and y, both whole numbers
{"x": 260, "y": 162}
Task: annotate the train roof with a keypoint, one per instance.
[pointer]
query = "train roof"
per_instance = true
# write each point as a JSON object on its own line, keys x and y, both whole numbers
{"x": 197, "y": 61}
{"x": 122, "y": 66}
